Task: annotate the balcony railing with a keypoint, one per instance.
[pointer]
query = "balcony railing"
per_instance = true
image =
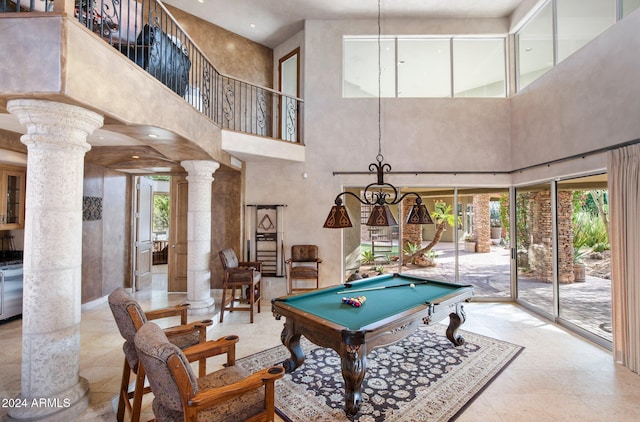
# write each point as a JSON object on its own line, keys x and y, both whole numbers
{"x": 147, "y": 33}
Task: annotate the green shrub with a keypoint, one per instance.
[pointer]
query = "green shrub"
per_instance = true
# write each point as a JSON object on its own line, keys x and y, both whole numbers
{"x": 380, "y": 269}
{"x": 588, "y": 230}
{"x": 367, "y": 257}
{"x": 601, "y": 247}
{"x": 410, "y": 248}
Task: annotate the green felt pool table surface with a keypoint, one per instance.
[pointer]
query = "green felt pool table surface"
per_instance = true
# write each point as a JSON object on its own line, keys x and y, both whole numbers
{"x": 380, "y": 304}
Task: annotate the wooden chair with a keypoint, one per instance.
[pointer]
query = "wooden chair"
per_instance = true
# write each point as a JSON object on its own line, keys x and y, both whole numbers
{"x": 304, "y": 264}
{"x": 229, "y": 394}
{"x": 236, "y": 275}
{"x": 129, "y": 317}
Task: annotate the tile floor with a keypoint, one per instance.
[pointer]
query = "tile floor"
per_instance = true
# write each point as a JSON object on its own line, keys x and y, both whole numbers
{"x": 558, "y": 377}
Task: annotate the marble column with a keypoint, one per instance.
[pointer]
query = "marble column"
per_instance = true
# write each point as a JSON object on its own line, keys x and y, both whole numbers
{"x": 200, "y": 177}
{"x": 51, "y": 387}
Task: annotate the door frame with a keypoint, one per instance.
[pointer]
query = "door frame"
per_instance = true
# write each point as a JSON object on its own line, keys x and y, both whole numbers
{"x": 283, "y": 59}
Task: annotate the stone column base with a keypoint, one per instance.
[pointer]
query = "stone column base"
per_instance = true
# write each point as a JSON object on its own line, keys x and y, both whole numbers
{"x": 201, "y": 307}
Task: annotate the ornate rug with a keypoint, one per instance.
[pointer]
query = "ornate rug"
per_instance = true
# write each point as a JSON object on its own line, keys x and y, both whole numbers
{"x": 421, "y": 378}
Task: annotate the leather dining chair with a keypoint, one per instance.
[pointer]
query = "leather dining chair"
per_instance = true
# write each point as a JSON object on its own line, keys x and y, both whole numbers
{"x": 239, "y": 274}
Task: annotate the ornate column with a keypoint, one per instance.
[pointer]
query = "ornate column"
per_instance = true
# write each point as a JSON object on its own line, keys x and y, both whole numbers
{"x": 51, "y": 386}
{"x": 199, "y": 234}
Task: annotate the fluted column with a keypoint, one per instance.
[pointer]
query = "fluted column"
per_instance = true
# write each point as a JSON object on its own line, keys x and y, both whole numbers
{"x": 51, "y": 385}
{"x": 199, "y": 234}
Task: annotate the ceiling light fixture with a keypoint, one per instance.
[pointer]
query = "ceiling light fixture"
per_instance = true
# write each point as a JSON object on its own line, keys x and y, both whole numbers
{"x": 153, "y": 135}
{"x": 378, "y": 194}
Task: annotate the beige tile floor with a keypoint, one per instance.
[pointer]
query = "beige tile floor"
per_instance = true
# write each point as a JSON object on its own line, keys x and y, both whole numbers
{"x": 558, "y": 377}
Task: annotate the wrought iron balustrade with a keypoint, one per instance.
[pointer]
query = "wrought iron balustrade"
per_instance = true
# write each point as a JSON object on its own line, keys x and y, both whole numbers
{"x": 146, "y": 32}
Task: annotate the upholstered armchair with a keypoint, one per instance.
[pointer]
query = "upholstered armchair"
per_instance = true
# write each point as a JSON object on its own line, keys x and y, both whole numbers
{"x": 304, "y": 264}
{"x": 239, "y": 274}
{"x": 129, "y": 317}
{"x": 229, "y": 394}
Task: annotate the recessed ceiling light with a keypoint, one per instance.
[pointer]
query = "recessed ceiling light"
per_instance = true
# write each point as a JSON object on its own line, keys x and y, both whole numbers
{"x": 152, "y": 135}
{"x": 253, "y": 25}
{"x": 135, "y": 157}
{"x": 200, "y": 1}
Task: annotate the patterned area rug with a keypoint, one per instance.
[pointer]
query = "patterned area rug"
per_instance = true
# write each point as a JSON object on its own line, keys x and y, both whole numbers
{"x": 421, "y": 378}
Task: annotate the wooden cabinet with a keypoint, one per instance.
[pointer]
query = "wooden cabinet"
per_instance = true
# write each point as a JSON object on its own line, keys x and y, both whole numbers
{"x": 12, "y": 190}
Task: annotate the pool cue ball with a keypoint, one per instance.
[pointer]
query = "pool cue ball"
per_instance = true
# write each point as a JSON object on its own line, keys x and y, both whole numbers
{"x": 413, "y": 286}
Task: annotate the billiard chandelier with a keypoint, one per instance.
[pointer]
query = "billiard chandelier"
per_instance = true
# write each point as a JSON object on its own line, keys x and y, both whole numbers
{"x": 378, "y": 194}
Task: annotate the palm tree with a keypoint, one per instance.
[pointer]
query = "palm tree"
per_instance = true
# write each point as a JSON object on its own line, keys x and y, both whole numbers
{"x": 442, "y": 216}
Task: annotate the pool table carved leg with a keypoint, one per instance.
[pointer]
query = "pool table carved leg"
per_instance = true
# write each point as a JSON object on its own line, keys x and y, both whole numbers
{"x": 291, "y": 341}
{"x": 456, "y": 319}
{"x": 353, "y": 363}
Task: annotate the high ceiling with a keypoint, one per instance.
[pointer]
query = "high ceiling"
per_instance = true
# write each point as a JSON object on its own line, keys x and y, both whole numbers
{"x": 270, "y": 22}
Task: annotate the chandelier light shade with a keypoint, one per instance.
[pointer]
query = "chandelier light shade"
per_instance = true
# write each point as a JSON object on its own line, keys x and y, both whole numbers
{"x": 378, "y": 194}
{"x": 381, "y": 216}
{"x": 338, "y": 217}
{"x": 419, "y": 214}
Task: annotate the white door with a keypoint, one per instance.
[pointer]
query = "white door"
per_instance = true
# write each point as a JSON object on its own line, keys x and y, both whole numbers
{"x": 143, "y": 245}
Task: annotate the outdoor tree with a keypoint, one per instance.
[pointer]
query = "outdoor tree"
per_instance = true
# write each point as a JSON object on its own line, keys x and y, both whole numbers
{"x": 160, "y": 212}
{"x": 442, "y": 216}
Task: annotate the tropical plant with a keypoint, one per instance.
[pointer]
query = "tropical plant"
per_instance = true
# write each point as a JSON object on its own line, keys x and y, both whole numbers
{"x": 588, "y": 230}
{"x": 442, "y": 216}
{"x": 410, "y": 248}
{"x": 367, "y": 257}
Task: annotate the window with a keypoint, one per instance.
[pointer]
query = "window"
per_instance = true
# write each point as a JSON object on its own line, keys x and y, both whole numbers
{"x": 424, "y": 67}
{"x": 580, "y": 21}
{"x": 540, "y": 46}
{"x": 629, "y": 6}
{"x": 535, "y": 47}
{"x": 479, "y": 68}
{"x": 361, "y": 67}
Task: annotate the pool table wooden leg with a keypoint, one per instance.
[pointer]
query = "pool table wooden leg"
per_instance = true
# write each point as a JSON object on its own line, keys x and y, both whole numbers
{"x": 353, "y": 361}
{"x": 456, "y": 319}
{"x": 291, "y": 341}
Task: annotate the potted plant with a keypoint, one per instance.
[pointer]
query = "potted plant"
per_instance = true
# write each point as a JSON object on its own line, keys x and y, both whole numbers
{"x": 469, "y": 243}
{"x": 579, "y": 268}
{"x": 496, "y": 229}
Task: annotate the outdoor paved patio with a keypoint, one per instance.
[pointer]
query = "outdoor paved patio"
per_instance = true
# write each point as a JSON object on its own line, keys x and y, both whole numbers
{"x": 585, "y": 304}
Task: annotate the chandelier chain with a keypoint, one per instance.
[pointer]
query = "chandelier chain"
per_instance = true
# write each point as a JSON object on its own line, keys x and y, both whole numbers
{"x": 380, "y": 157}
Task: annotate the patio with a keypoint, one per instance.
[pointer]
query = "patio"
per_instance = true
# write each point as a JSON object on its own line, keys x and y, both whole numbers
{"x": 585, "y": 304}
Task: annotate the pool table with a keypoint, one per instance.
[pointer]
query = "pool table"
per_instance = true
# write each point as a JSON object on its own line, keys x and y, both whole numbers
{"x": 395, "y": 305}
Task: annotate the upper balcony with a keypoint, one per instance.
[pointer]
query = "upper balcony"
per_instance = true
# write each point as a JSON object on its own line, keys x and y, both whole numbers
{"x": 162, "y": 98}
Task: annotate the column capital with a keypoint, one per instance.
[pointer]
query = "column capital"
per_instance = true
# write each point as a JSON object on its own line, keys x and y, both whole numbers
{"x": 53, "y": 123}
{"x": 200, "y": 168}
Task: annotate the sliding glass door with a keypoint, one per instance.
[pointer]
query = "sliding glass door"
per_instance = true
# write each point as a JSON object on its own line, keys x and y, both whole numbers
{"x": 534, "y": 247}
{"x": 563, "y": 253}
{"x": 584, "y": 281}
{"x": 483, "y": 242}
